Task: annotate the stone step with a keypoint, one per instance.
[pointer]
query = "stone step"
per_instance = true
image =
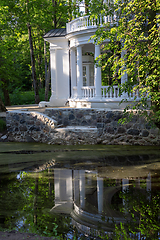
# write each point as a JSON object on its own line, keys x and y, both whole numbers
{"x": 77, "y": 129}
{"x": 74, "y": 135}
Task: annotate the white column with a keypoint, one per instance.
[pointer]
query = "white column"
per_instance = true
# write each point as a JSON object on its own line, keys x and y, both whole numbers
{"x": 76, "y": 185}
{"x": 79, "y": 71}
{"x": 57, "y": 184}
{"x": 53, "y": 73}
{"x": 73, "y": 70}
{"x": 97, "y": 73}
{"x": 87, "y": 74}
{"x": 125, "y": 184}
{"x": 100, "y": 194}
{"x": 124, "y": 76}
{"x": 69, "y": 188}
{"x": 137, "y": 183}
{"x": 62, "y": 180}
{"x": 148, "y": 182}
{"x": 59, "y": 73}
{"x": 125, "y": 187}
{"x": 82, "y": 188}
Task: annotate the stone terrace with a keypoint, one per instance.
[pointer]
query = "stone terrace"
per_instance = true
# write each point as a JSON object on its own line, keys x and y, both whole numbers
{"x": 80, "y": 126}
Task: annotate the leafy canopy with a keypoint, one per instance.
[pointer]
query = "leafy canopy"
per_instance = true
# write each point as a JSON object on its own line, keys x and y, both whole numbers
{"x": 133, "y": 48}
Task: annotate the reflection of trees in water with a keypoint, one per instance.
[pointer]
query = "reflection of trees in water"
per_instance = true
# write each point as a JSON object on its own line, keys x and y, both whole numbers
{"x": 26, "y": 201}
{"x": 11, "y": 200}
{"x": 138, "y": 200}
{"x": 142, "y": 212}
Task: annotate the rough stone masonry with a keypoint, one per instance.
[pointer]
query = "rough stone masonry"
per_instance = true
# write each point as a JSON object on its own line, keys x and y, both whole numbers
{"x": 70, "y": 126}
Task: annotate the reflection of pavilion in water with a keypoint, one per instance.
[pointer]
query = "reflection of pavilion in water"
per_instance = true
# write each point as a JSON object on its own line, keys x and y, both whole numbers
{"x": 89, "y": 198}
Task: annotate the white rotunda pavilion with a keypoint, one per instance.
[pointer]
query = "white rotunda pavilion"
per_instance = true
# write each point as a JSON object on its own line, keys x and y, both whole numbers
{"x": 75, "y": 79}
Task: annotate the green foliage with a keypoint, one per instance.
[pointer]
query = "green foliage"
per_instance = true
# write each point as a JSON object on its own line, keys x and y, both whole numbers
{"x": 19, "y": 97}
{"x": 15, "y": 59}
{"x": 141, "y": 211}
{"x": 133, "y": 48}
{"x": 2, "y": 125}
{"x": 22, "y": 98}
{"x": 29, "y": 198}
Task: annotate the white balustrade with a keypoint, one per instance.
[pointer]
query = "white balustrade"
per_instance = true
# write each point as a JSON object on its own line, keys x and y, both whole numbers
{"x": 134, "y": 94}
{"x": 110, "y": 92}
{"x": 88, "y": 92}
{"x": 86, "y": 22}
{"x": 106, "y": 92}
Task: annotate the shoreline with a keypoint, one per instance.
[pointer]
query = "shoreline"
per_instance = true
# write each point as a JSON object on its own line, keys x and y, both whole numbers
{"x": 15, "y": 235}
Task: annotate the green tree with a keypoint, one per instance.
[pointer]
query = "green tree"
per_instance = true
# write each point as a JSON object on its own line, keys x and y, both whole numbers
{"x": 5, "y": 58}
{"x": 13, "y": 53}
{"x": 2, "y": 106}
{"x": 22, "y": 48}
{"x": 29, "y": 199}
{"x": 134, "y": 43}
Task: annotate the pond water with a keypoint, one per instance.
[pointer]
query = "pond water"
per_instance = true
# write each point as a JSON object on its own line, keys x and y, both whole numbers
{"x": 80, "y": 192}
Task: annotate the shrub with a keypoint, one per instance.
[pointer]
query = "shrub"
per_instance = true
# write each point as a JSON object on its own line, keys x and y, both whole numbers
{"x": 2, "y": 125}
{"x": 27, "y": 97}
{"x": 19, "y": 97}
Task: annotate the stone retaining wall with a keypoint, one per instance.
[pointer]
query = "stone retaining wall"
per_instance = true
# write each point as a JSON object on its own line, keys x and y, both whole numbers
{"x": 24, "y": 126}
{"x": 80, "y": 126}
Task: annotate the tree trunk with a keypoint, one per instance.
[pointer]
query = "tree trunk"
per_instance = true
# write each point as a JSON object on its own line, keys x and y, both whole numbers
{"x": 40, "y": 72}
{"x": 35, "y": 202}
{"x": 4, "y": 81}
{"x": 86, "y": 7}
{"x": 5, "y": 92}
{"x": 35, "y": 84}
{"x": 70, "y": 10}
{"x": 2, "y": 107}
{"x": 33, "y": 65}
{"x": 54, "y": 4}
{"x": 47, "y": 82}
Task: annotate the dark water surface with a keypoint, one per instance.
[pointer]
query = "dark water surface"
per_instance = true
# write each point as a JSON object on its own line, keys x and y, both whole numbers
{"x": 80, "y": 192}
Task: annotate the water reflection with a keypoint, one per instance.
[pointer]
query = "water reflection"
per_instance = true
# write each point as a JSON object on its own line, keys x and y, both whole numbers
{"x": 63, "y": 191}
{"x": 92, "y": 201}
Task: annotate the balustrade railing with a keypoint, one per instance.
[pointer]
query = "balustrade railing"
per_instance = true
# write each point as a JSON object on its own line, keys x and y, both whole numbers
{"x": 110, "y": 92}
{"x": 106, "y": 92}
{"x": 88, "y": 92}
{"x": 133, "y": 95}
{"x": 86, "y": 22}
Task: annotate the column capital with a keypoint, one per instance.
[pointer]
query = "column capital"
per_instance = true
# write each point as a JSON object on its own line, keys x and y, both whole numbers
{"x": 79, "y": 45}
{"x": 73, "y": 48}
{"x": 55, "y": 48}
